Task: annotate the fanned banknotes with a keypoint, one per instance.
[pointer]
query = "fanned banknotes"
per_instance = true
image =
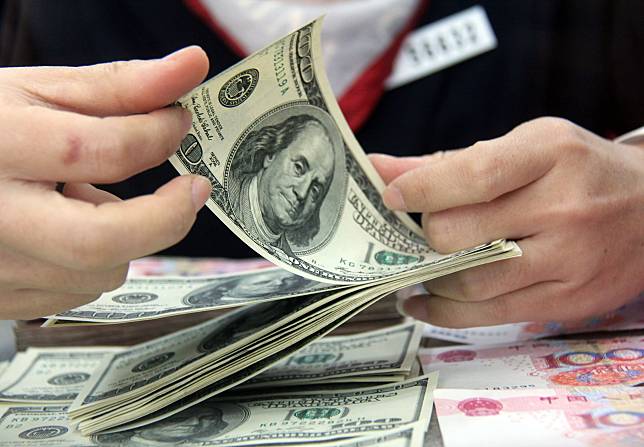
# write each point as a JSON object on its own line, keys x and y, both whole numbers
{"x": 57, "y": 375}
{"x": 291, "y": 181}
{"x": 393, "y": 415}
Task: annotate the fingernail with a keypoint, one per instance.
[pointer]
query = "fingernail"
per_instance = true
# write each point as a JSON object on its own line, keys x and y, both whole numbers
{"x": 400, "y": 306}
{"x": 177, "y": 54}
{"x": 378, "y": 154}
{"x": 200, "y": 191}
{"x": 393, "y": 198}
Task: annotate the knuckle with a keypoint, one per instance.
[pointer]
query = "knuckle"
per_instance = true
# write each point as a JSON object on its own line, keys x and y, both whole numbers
{"x": 113, "y": 72}
{"x": 114, "y": 69}
{"x": 568, "y": 135}
{"x": 485, "y": 171}
{"x": 441, "y": 232}
{"x": 437, "y": 235}
{"x": 114, "y": 156}
{"x": 105, "y": 157}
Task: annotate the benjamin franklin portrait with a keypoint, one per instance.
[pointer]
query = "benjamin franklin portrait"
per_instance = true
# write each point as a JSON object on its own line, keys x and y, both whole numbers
{"x": 263, "y": 284}
{"x": 200, "y": 423}
{"x": 282, "y": 173}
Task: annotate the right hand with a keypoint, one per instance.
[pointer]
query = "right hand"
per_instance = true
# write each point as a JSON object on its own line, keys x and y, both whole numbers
{"x": 97, "y": 124}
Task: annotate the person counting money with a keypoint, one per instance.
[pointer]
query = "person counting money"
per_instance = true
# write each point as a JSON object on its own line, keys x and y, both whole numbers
{"x": 572, "y": 198}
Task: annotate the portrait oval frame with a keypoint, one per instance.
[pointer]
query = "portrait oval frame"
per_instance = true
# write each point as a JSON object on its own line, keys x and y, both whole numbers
{"x": 334, "y": 201}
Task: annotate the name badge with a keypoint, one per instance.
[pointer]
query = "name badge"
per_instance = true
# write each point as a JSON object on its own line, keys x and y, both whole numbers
{"x": 441, "y": 44}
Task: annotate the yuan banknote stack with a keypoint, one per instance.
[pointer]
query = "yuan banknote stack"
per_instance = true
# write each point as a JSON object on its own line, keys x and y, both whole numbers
{"x": 540, "y": 364}
{"x": 569, "y": 392}
{"x": 291, "y": 181}
{"x": 563, "y": 417}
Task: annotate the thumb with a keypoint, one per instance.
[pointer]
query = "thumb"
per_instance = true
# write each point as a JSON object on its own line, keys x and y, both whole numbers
{"x": 116, "y": 88}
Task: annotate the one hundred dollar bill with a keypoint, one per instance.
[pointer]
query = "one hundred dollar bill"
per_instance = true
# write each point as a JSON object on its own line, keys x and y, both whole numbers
{"x": 163, "y": 376}
{"x": 371, "y": 356}
{"x": 157, "y": 297}
{"x": 50, "y": 375}
{"x": 540, "y": 364}
{"x": 289, "y": 178}
{"x": 541, "y": 417}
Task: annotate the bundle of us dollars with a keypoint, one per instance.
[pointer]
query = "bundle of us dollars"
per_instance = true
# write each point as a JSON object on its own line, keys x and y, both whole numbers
{"x": 393, "y": 415}
{"x": 291, "y": 181}
{"x": 155, "y": 379}
{"x": 57, "y": 375}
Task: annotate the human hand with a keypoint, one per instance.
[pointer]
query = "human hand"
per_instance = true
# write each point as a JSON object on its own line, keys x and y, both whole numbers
{"x": 97, "y": 124}
{"x": 572, "y": 200}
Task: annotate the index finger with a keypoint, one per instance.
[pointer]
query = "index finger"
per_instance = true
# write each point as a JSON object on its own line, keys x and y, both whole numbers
{"x": 478, "y": 174}
{"x": 115, "y": 88}
{"x": 79, "y": 235}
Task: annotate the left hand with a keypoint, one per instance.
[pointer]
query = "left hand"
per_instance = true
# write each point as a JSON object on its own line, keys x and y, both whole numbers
{"x": 572, "y": 200}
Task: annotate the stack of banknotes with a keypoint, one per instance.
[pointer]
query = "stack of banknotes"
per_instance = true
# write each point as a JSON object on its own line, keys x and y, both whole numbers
{"x": 577, "y": 392}
{"x": 291, "y": 181}
{"x": 359, "y": 390}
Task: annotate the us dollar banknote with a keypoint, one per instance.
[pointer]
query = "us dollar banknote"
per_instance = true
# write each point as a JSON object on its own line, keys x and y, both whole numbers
{"x": 374, "y": 356}
{"x": 288, "y": 176}
{"x": 157, "y": 297}
{"x": 298, "y": 418}
{"x": 57, "y": 375}
{"x": 50, "y": 375}
{"x": 155, "y": 379}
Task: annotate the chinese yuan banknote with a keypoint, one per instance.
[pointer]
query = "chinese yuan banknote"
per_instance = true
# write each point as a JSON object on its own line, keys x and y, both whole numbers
{"x": 541, "y": 417}
{"x": 539, "y": 364}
